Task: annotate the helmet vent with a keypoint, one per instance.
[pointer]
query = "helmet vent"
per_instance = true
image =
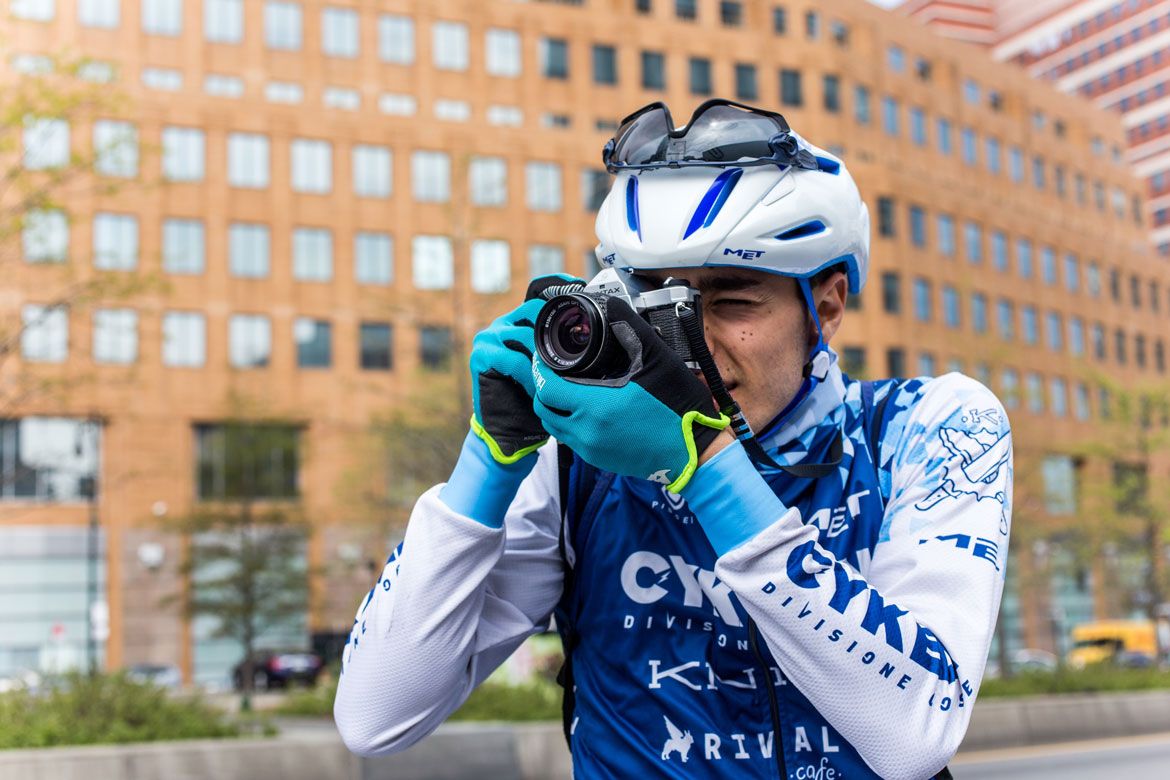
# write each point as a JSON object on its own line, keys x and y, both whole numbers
{"x": 632, "y": 218}
{"x": 713, "y": 200}
{"x": 803, "y": 231}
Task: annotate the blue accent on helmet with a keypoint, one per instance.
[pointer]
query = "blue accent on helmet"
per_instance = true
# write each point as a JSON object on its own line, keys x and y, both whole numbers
{"x": 826, "y": 165}
{"x": 632, "y": 206}
{"x": 801, "y": 231}
{"x": 713, "y": 200}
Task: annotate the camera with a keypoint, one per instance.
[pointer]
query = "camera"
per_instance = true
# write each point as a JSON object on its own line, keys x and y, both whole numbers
{"x": 573, "y": 333}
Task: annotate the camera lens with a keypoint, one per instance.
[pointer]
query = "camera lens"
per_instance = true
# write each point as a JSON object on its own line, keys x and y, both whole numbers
{"x": 570, "y": 333}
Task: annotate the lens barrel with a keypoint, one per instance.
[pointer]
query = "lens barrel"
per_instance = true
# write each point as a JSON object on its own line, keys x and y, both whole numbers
{"x": 572, "y": 334}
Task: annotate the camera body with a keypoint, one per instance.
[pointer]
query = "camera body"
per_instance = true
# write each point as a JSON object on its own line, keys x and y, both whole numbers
{"x": 574, "y": 336}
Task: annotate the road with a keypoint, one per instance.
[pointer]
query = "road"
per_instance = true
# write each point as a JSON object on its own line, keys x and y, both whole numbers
{"x": 1147, "y": 756}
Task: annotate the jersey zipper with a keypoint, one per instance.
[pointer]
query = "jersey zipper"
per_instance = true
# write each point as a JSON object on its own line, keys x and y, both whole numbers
{"x": 773, "y": 704}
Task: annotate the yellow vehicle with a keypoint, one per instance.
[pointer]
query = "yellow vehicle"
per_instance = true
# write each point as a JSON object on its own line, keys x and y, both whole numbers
{"x": 1103, "y": 640}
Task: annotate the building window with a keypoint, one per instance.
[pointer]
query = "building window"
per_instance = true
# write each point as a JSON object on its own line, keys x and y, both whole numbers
{"x": 891, "y": 293}
{"x": 971, "y": 92}
{"x": 162, "y": 79}
{"x": 162, "y": 17}
{"x": 1139, "y": 350}
{"x": 1076, "y": 336}
{"x": 926, "y": 364}
{"x": 184, "y": 339}
{"x": 339, "y": 32}
{"x": 946, "y": 235}
{"x": 432, "y": 262}
{"x": 396, "y": 39}
{"x": 91, "y": 13}
{"x": 653, "y": 70}
{"x": 1093, "y": 279}
{"x": 1034, "y": 390}
{"x": 861, "y": 110}
{"x": 896, "y": 361}
{"x": 246, "y": 460}
{"x": 1009, "y": 387}
{"x": 746, "y": 87}
{"x": 182, "y": 153}
{"x": 434, "y": 347}
{"x": 248, "y": 250}
{"x": 700, "y": 75}
{"x": 312, "y": 254}
{"x": 312, "y": 166}
{"x": 917, "y": 226}
{"x": 594, "y": 188}
{"x": 1048, "y": 265}
{"x": 1028, "y": 324}
{"x": 452, "y": 110}
{"x": 604, "y": 65}
{"x": 812, "y": 25}
{"x": 918, "y": 126}
{"x": 45, "y": 236}
{"x": 1059, "y": 475}
{"x": 543, "y": 180}
{"x": 1055, "y": 332}
{"x": 183, "y": 246}
{"x": 450, "y": 42}
{"x": 979, "y": 312}
{"x": 779, "y": 20}
{"x": 373, "y": 255}
{"x": 950, "y": 299}
{"x": 1005, "y": 319}
{"x": 507, "y": 116}
{"x": 993, "y": 155}
{"x": 1135, "y": 292}
{"x": 372, "y": 171}
{"x": 1099, "y": 341}
{"x": 223, "y": 21}
{"x": 1119, "y": 347}
{"x": 284, "y": 92}
{"x": 1081, "y": 402}
{"x": 643, "y": 6}
{"x": 314, "y": 341}
{"x": 248, "y": 160}
{"x": 554, "y": 58}
{"x": 890, "y": 116}
{"x": 1038, "y": 172}
{"x": 545, "y": 259}
{"x": 115, "y": 146}
{"x": 967, "y": 146}
{"x": 375, "y": 346}
{"x": 731, "y": 13}
{"x": 115, "y": 242}
{"x": 1058, "y": 397}
{"x": 1024, "y": 258}
{"x": 790, "y": 91}
{"x": 218, "y": 85}
{"x": 885, "y": 209}
{"x": 973, "y": 239}
{"x": 488, "y": 179}
{"x": 896, "y": 58}
{"x": 249, "y": 340}
{"x": 49, "y": 459}
{"x": 115, "y": 336}
{"x": 45, "y": 334}
{"x": 685, "y": 9}
{"x": 943, "y": 130}
{"x": 832, "y": 93}
{"x": 1072, "y": 273}
{"x": 282, "y": 25}
{"x": 923, "y": 311}
{"x": 491, "y": 266}
{"x": 999, "y": 257}
{"x": 431, "y": 176}
{"x": 1016, "y": 164}
{"x": 502, "y": 52}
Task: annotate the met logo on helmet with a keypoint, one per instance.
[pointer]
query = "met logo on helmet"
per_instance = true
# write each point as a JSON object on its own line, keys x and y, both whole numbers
{"x": 746, "y": 254}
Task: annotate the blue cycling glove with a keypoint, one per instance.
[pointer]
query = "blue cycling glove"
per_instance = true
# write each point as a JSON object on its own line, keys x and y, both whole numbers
{"x": 653, "y": 422}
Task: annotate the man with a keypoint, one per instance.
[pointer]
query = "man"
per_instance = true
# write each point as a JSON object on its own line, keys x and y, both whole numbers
{"x": 816, "y": 601}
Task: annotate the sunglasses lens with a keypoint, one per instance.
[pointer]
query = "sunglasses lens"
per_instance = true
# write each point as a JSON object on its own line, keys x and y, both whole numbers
{"x": 721, "y": 134}
{"x": 642, "y": 140}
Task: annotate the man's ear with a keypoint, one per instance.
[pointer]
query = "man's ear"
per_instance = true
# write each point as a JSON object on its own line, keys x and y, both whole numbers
{"x": 829, "y": 297}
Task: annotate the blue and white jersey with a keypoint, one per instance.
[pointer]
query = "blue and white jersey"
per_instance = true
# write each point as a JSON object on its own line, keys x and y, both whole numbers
{"x": 845, "y": 637}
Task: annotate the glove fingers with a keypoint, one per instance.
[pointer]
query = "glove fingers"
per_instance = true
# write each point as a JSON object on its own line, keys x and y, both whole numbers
{"x": 541, "y": 285}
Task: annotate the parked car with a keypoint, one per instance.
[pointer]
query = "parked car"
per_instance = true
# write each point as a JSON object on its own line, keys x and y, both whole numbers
{"x": 166, "y": 676}
{"x": 278, "y": 669}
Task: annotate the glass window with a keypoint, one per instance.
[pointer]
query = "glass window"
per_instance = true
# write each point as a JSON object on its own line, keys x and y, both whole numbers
{"x": 1072, "y": 273}
{"x": 1119, "y": 346}
{"x": 604, "y": 65}
{"x": 973, "y": 239}
{"x": 994, "y": 163}
{"x": 182, "y": 153}
{"x": 653, "y": 70}
{"x": 1005, "y": 316}
{"x": 1055, "y": 332}
{"x": 162, "y": 17}
{"x": 314, "y": 341}
{"x": 431, "y": 176}
{"x": 1024, "y": 257}
{"x": 223, "y": 21}
{"x": 49, "y": 459}
{"x": 488, "y": 178}
{"x": 162, "y": 79}
{"x": 248, "y": 160}
{"x": 33, "y": 10}
{"x": 832, "y": 93}
{"x": 896, "y": 361}
{"x": 926, "y": 364}
{"x": 999, "y": 251}
{"x": 396, "y": 39}
{"x": 554, "y": 58}
{"x": 312, "y": 254}
{"x": 94, "y": 13}
{"x": 950, "y": 297}
{"x": 1028, "y": 325}
{"x": 1010, "y": 388}
{"x": 491, "y": 266}
{"x": 779, "y": 20}
{"x": 219, "y": 85}
{"x": 543, "y": 181}
{"x": 284, "y": 92}
{"x": 946, "y": 235}
{"x": 891, "y": 293}
{"x": 971, "y": 92}
{"x": 731, "y": 13}
{"x": 184, "y": 339}
{"x": 1038, "y": 172}
{"x": 1048, "y": 265}
{"x": 505, "y": 116}
{"x": 700, "y": 72}
{"x": 1016, "y": 164}
{"x": 1093, "y": 279}
{"x": 341, "y": 98}
{"x": 685, "y": 9}
{"x": 45, "y": 236}
{"x": 434, "y": 347}
{"x": 339, "y": 32}
{"x": 746, "y": 86}
{"x": 373, "y": 171}
{"x": 183, "y": 246}
{"x": 790, "y": 90}
{"x": 922, "y": 304}
{"x": 1034, "y": 389}
{"x": 1098, "y": 336}
{"x": 115, "y": 242}
{"x": 545, "y": 259}
{"x": 375, "y": 346}
{"x": 917, "y": 226}
{"x": 115, "y": 336}
{"x": 885, "y": 210}
{"x": 452, "y": 110}
{"x": 812, "y": 25}
{"x": 1076, "y": 336}
{"x": 979, "y": 312}
{"x": 918, "y": 126}
{"x": 594, "y": 188}
{"x": 943, "y": 130}
{"x": 373, "y": 258}
{"x": 45, "y": 334}
{"x": 248, "y": 250}
{"x": 503, "y": 52}
{"x": 312, "y": 166}
{"x": 115, "y": 146}
{"x": 432, "y": 262}
{"x": 246, "y": 460}
{"x": 969, "y": 153}
{"x": 1059, "y": 474}
{"x": 1058, "y": 397}
{"x": 249, "y": 340}
{"x": 450, "y": 42}
{"x": 896, "y": 58}
{"x": 861, "y": 111}
{"x": 282, "y": 25}
{"x": 890, "y": 116}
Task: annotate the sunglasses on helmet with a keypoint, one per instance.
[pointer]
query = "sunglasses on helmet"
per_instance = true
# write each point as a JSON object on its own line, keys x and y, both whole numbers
{"x": 720, "y": 133}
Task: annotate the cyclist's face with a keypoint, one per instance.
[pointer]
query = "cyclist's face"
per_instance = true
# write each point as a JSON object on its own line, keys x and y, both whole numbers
{"x": 759, "y": 333}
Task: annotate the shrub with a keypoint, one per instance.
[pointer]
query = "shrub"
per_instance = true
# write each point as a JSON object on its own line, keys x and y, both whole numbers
{"x": 535, "y": 700}
{"x": 80, "y": 710}
{"x": 314, "y": 703}
{"x": 1092, "y": 679}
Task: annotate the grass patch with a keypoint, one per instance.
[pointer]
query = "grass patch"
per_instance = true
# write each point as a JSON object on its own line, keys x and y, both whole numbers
{"x": 532, "y": 701}
{"x": 313, "y": 703}
{"x": 104, "y": 709}
{"x": 1099, "y": 678}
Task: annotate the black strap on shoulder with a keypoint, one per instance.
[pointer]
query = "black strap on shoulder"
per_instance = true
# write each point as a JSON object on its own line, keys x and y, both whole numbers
{"x": 568, "y": 631}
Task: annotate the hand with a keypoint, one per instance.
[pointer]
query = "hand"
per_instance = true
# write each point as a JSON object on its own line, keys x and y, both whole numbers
{"x": 501, "y": 378}
{"x": 654, "y": 422}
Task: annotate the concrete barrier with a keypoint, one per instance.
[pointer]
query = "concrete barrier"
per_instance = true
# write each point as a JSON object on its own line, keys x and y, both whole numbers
{"x": 462, "y": 751}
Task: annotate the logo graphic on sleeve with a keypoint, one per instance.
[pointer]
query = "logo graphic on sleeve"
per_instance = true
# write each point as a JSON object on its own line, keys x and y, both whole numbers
{"x": 981, "y": 455}
{"x": 678, "y": 742}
